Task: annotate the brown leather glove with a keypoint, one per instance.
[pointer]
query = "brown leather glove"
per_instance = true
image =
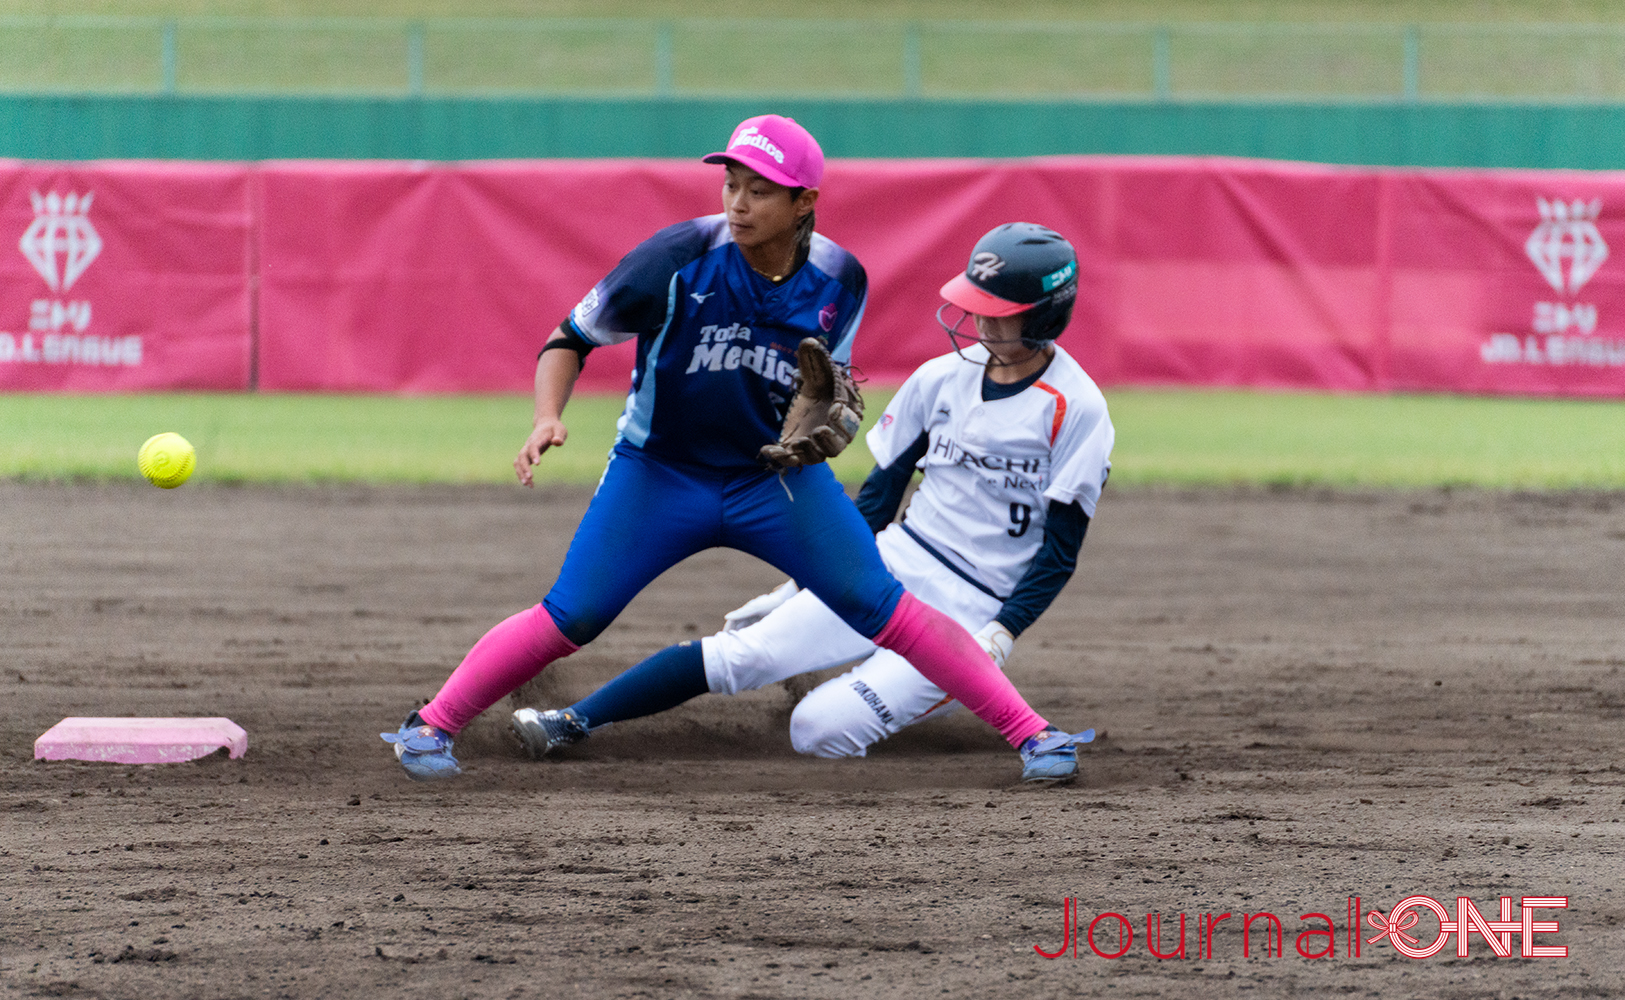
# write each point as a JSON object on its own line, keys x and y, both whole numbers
{"x": 824, "y": 415}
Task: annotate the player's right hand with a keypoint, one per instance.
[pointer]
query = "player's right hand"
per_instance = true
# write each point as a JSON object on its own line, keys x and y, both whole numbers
{"x": 757, "y": 608}
{"x": 548, "y": 433}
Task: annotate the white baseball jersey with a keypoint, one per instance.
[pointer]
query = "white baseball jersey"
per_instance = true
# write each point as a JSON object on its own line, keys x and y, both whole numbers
{"x": 992, "y": 467}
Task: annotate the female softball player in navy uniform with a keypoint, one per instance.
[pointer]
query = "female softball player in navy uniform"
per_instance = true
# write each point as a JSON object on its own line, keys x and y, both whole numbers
{"x": 1015, "y": 447}
{"x": 718, "y": 307}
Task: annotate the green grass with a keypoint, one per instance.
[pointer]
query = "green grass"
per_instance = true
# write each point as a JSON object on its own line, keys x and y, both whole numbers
{"x": 935, "y": 48}
{"x": 1164, "y": 437}
{"x": 1348, "y": 440}
{"x": 1045, "y": 10}
{"x": 294, "y": 438}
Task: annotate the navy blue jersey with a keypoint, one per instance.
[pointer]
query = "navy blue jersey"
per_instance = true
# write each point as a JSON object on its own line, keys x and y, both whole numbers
{"x": 716, "y": 357}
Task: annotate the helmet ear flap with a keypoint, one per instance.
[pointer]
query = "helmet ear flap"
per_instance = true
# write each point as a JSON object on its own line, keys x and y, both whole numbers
{"x": 1037, "y": 328}
{"x": 1049, "y": 317}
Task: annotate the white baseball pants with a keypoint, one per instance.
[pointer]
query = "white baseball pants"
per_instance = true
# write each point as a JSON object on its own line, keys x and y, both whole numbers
{"x": 843, "y": 717}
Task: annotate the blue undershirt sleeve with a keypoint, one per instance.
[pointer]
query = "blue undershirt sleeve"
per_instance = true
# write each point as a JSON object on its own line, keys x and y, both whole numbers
{"x": 1064, "y": 528}
{"x": 882, "y": 492}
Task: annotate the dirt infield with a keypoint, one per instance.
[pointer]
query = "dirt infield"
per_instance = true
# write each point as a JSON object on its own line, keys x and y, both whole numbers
{"x": 1304, "y": 697}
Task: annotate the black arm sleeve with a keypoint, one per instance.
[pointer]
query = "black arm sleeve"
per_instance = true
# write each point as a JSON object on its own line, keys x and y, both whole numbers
{"x": 883, "y": 491}
{"x": 571, "y": 341}
{"x": 1064, "y": 528}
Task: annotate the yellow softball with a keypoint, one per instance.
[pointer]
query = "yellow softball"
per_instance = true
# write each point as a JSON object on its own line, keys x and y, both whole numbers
{"x": 167, "y": 460}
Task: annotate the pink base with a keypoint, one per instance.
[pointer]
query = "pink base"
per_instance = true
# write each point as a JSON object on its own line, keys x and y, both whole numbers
{"x": 139, "y": 741}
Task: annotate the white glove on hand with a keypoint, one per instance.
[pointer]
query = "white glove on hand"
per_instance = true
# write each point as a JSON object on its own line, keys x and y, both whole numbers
{"x": 997, "y": 640}
{"x": 757, "y": 608}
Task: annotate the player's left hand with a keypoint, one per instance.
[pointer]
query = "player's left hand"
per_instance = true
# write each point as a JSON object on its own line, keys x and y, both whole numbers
{"x": 997, "y": 640}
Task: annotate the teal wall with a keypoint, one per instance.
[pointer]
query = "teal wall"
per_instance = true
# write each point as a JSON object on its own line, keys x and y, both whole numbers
{"x": 67, "y": 127}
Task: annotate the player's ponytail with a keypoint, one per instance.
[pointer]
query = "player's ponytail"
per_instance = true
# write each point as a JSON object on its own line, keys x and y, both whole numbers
{"x": 804, "y": 231}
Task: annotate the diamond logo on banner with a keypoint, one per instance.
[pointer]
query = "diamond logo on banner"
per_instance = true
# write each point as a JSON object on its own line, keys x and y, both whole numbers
{"x": 60, "y": 227}
{"x": 1567, "y": 230}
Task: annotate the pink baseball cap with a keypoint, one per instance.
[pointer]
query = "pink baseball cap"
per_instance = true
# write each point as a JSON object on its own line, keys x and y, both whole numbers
{"x": 778, "y": 149}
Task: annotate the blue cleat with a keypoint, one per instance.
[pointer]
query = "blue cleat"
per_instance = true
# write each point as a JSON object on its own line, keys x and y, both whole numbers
{"x": 1051, "y": 757}
{"x": 544, "y": 732}
{"x": 423, "y": 750}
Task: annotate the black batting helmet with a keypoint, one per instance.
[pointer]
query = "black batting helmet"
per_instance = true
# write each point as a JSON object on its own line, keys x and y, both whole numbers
{"x": 1020, "y": 268}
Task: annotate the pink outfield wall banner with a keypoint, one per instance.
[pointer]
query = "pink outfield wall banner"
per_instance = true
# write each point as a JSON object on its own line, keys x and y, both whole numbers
{"x": 124, "y": 277}
{"x": 1194, "y": 271}
{"x": 448, "y": 277}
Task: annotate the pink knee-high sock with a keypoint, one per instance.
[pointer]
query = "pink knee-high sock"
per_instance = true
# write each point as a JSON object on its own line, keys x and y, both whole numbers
{"x": 509, "y": 655}
{"x": 949, "y": 658}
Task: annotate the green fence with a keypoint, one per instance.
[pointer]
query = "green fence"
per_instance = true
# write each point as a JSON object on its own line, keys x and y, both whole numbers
{"x": 878, "y": 58}
{"x": 239, "y": 128}
{"x": 240, "y": 88}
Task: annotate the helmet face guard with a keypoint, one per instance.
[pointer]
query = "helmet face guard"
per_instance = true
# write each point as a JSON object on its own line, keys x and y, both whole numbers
{"x": 951, "y": 323}
{"x": 1016, "y": 269}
